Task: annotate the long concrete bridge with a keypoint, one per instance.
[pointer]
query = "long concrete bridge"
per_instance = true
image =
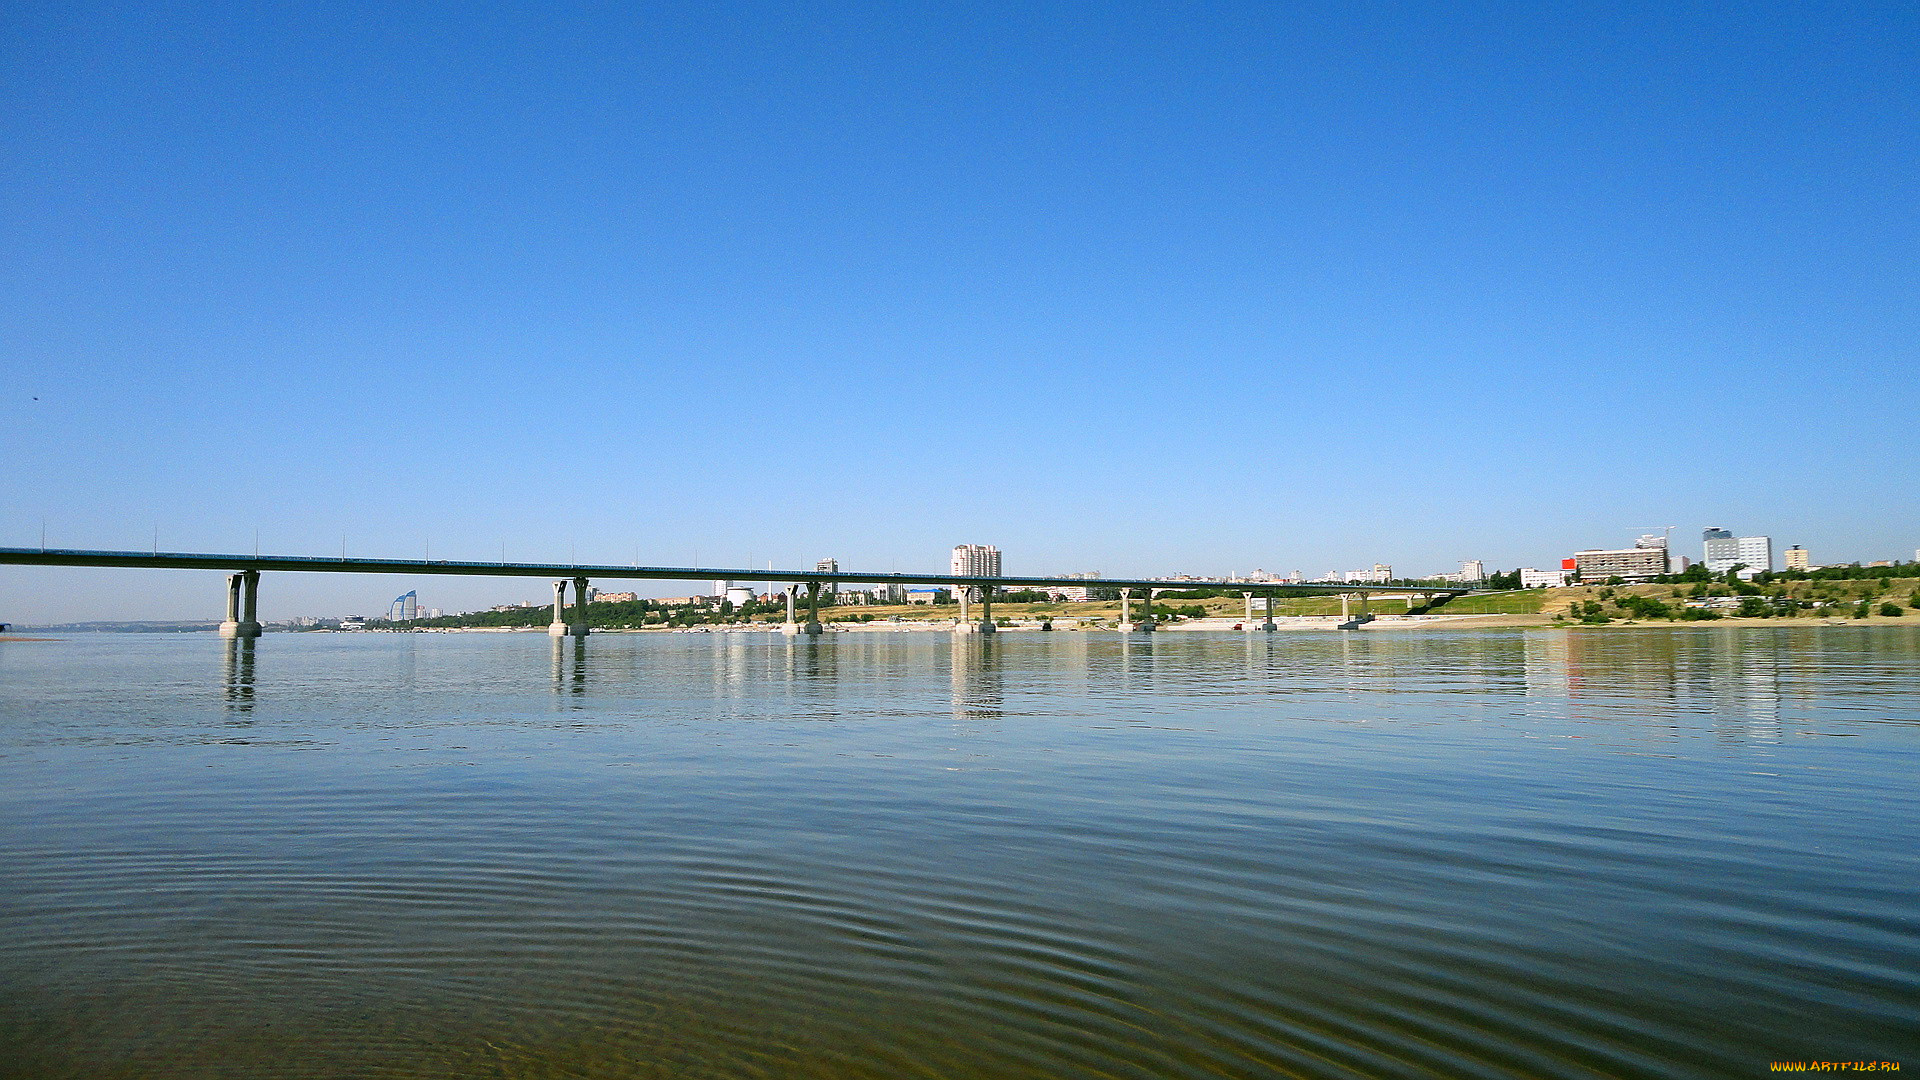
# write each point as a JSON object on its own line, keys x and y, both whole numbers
{"x": 243, "y": 584}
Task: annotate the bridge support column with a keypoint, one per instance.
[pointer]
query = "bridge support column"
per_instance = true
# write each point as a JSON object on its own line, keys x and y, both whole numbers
{"x": 558, "y": 627}
{"x": 1248, "y": 620}
{"x": 813, "y": 628}
{"x": 578, "y": 628}
{"x": 1268, "y": 624}
{"x": 790, "y": 627}
{"x": 1349, "y": 620}
{"x": 985, "y": 625}
{"x": 231, "y": 626}
{"x": 250, "y": 604}
{"x": 243, "y": 605}
{"x": 1144, "y": 624}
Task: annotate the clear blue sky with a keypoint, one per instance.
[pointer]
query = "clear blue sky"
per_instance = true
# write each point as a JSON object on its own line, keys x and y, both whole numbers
{"x": 1143, "y": 288}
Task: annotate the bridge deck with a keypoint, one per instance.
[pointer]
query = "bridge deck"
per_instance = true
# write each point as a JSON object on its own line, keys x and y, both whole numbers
{"x": 174, "y": 560}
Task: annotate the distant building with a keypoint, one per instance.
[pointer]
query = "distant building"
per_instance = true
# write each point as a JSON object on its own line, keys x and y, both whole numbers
{"x": 1797, "y": 558}
{"x": 1725, "y": 550}
{"x": 1076, "y": 594}
{"x": 405, "y": 607}
{"x": 924, "y": 596}
{"x": 1757, "y": 552}
{"x": 1542, "y": 579}
{"x": 1471, "y": 571}
{"x": 1379, "y": 575}
{"x": 889, "y": 594}
{"x": 976, "y": 560}
{"x": 828, "y": 566}
{"x": 1658, "y": 542}
{"x": 1628, "y": 564}
{"x": 738, "y": 595}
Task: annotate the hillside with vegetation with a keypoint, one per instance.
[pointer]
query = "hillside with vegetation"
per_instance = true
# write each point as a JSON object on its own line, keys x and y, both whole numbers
{"x": 1849, "y": 592}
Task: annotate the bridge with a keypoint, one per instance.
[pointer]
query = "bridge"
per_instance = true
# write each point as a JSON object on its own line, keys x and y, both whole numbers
{"x": 243, "y": 584}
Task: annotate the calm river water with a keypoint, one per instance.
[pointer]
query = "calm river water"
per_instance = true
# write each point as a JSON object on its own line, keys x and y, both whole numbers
{"x": 1520, "y": 853}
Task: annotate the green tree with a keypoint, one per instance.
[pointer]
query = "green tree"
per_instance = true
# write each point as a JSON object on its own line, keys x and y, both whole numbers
{"x": 1890, "y": 609}
{"x": 1646, "y": 607}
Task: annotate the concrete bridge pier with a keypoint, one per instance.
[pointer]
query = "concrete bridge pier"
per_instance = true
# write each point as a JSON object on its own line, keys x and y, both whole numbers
{"x": 243, "y": 605}
{"x": 1128, "y": 623}
{"x": 560, "y": 627}
{"x": 985, "y": 625}
{"x": 1349, "y": 619}
{"x": 811, "y": 627}
{"x": 1268, "y": 624}
{"x": 1248, "y": 621}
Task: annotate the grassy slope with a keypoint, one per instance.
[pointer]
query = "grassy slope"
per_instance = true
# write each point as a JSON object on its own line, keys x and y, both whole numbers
{"x": 1516, "y": 602}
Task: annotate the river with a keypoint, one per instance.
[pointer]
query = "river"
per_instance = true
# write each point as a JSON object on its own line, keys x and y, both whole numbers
{"x": 1681, "y": 852}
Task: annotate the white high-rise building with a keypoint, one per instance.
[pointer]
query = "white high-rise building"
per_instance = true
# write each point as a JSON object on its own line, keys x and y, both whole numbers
{"x": 1725, "y": 550}
{"x": 829, "y": 566}
{"x": 976, "y": 560}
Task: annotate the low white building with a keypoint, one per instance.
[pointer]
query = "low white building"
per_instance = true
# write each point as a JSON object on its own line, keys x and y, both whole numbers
{"x": 1542, "y": 579}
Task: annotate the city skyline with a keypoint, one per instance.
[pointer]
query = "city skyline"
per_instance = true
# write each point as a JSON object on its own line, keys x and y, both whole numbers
{"x": 1171, "y": 289}
{"x": 964, "y": 559}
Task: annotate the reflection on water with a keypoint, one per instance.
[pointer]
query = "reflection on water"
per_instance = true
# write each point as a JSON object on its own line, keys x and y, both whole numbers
{"x": 237, "y": 676}
{"x": 975, "y": 677}
{"x": 1499, "y": 853}
{"x": 570, "y": 665}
